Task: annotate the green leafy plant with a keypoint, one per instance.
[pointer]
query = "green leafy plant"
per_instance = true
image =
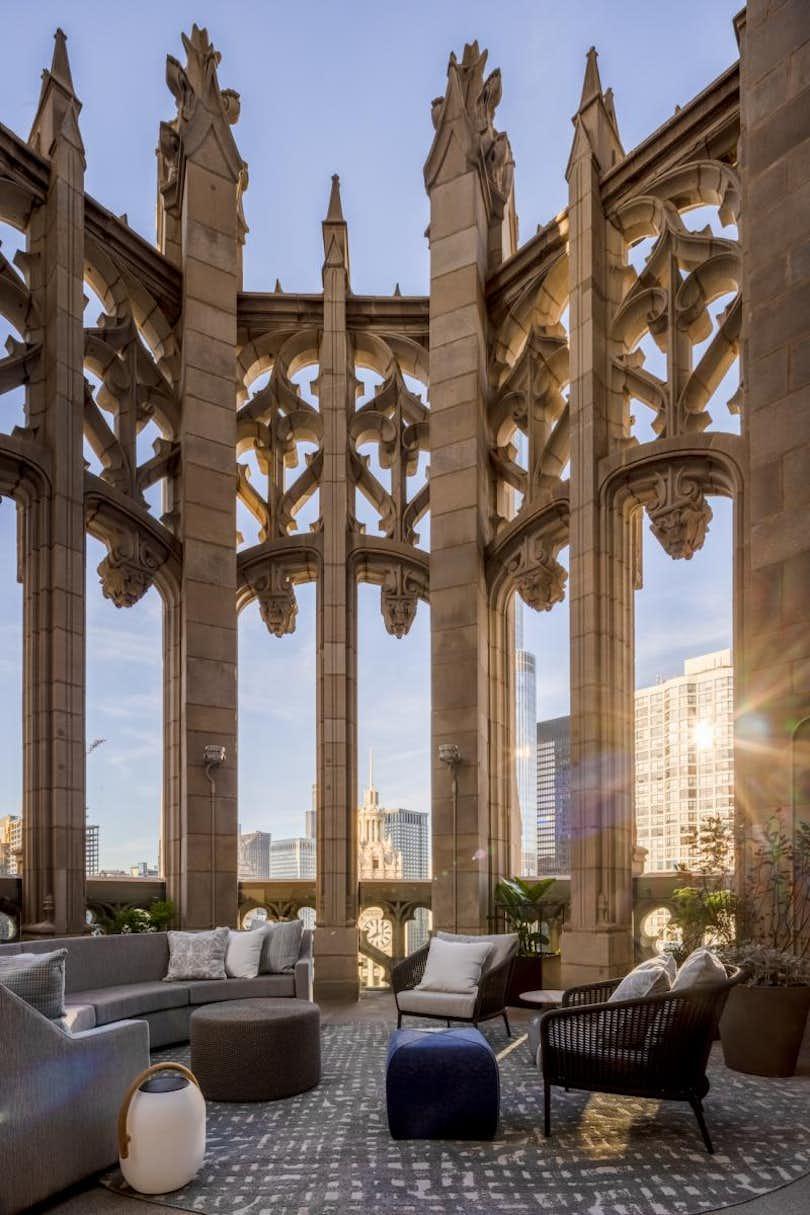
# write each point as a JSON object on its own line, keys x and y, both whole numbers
{"x": 707, "y": 909}
{"x": 776, "y": 903}
{"x": 138, "y": 919}
{"x": 522, "y": 906}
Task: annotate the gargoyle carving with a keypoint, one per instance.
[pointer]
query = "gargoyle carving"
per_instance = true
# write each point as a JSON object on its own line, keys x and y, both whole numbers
{"x": 679, "y": 514}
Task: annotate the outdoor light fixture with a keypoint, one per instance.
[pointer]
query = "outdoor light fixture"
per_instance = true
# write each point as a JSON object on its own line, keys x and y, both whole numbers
{"x": 213, "y": 758}
{"x": 450, "y": 754}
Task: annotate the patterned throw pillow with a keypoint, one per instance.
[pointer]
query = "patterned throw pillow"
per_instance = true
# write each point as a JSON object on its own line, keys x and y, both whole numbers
{"x": 37, "y": 978}
{"x": 282, "y": 945}
{"x": 197, "y": 955}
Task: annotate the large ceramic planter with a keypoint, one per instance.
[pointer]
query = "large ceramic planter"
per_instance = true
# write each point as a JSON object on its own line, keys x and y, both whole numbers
{"x": 527, "y": 975}
{"x": 762, "y": 1029}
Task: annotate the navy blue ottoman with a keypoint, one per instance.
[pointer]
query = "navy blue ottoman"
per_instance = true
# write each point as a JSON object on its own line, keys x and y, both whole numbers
{"x": 441, "y": 1085}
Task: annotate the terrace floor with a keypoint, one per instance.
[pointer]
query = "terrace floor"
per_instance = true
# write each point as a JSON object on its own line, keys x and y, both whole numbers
{"x": 95, "y": 1199}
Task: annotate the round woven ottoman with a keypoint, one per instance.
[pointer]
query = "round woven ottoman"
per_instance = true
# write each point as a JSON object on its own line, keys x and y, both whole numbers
{"x": 256, "y": 1050}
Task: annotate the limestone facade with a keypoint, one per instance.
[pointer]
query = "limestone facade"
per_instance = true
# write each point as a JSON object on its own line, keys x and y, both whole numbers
{"x": 532, "y": 359}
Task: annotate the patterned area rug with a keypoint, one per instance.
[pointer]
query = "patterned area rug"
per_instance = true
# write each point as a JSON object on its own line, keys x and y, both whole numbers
{"x": 328, "y": 1152}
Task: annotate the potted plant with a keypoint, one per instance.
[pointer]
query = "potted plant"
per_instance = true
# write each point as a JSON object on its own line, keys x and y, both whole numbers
{"x": 774, "y": 925}
{"x": 137, "y": 919}
{"x": 764, "y": 1018}
{"x": 706, "y": 910}
{"x": 522, "y": 906}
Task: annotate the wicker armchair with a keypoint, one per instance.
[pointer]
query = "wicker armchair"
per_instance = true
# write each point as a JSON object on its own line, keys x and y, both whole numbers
{"x": 489, "y": 1002}
{"x": 654, "y": 1047}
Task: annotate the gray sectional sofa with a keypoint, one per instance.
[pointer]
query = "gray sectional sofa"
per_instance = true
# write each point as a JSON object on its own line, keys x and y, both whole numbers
{"x": 63, "y": 1081}
{"x": 120, "y": 978}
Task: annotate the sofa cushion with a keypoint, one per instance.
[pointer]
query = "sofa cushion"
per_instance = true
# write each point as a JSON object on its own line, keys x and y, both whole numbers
{"x": 282, "y": 945}
{"x": 504, "y": 945}
{"x": 77, "y": 1018}
{"x": 243, "y": 955}
{"x": 455, "y": 966}
{"x": 436, "y": 1003}
{"x": 39, "y": 979}
{"x": 197, "y": 955}
{"x": 211, "y": 992}
{"x": 93, "y": 962}
{"x": 132, "y": 999}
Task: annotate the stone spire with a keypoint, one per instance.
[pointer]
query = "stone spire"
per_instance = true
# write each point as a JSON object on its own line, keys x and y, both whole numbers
{"x": 335, "y": 232}
{"x": 595, "y": 127}
{"x": 58, "y": 110}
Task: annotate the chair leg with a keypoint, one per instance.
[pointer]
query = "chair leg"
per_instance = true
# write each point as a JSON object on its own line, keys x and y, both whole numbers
{"x": 399, "y": 1019}
{"x": 506, "y": 1023}
{"x": 448, "y": 1022}
{"x": 546, "y": 1109}
{"x": 697, "y": 1108}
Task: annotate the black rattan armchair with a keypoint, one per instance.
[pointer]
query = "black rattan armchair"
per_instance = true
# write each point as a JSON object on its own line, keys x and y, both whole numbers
{"x": 490, "y": 1001}
{"x": 654, "y": 1047}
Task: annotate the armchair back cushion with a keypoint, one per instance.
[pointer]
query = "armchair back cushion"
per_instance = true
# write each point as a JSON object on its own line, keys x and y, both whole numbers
{"x": 650, "y": 978}
{"x": 504, "y": 945}
{"x": 455, "y": 966}
{"x": 701, "y": 969}
{"x": 39, "y": 979}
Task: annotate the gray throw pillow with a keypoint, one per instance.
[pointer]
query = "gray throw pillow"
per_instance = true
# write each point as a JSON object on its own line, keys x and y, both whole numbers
{"x": 37, "y": 978}
{"x": 650, "y": 978}
{"x": 282, "y": 945}
{"x": 197, "y": 955}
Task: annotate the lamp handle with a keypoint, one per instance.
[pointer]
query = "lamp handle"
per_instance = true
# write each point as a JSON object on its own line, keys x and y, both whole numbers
{"x": 123, "y": 1136}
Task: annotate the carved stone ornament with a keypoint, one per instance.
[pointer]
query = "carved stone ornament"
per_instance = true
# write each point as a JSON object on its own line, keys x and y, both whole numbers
{"x": 399, "y": 600}
{"x": 275, "y": 594}
{"x": 129, "y": 569}
{"x": 679, "y": 514}
{"x": 542, "y": 584}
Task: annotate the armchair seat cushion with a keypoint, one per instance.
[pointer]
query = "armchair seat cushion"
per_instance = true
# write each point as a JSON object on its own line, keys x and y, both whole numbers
{"x": 437, "y": 1003}
{"x": 132, "y": 1000}
{"x": 212, "y": 991}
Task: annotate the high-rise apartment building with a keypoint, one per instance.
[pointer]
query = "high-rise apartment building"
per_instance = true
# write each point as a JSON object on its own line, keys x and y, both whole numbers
{"x": 293, "y": 858}
{"x": 254, "y": 855}
{"x": 525, "y": 744}
{"x": 10, "y": 844}
{"x": 553, "y": 823}
{"x": 91, "y": 849}
{"x": 684, "y": 757}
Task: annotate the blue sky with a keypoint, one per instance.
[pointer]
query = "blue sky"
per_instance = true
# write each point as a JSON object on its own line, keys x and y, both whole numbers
{"x": 345, "y": 88}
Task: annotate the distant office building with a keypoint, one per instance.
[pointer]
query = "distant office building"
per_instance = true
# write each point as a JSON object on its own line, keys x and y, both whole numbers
{"x": 143, "y": 870}
{"x": 409, "y": 833}
{"x": 91, "y": 846}
{"x": 310, "y": 824}
{"x": 525, "y": 744}
{"x": 10, "y": 845}
{"x": 292, "y": 858}
{"x": 254, "y": 855}
{"x": 554, "y": 796}
{"x": 684, "y": 758}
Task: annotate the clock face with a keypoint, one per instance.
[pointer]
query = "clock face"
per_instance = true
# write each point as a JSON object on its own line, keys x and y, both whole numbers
{"x": 377, "y": 929}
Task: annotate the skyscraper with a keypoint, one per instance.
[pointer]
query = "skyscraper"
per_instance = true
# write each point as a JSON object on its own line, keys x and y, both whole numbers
{"x": 409, "y": 833}
{"x": 525, "y": 740}
{"x": 254, "y": 855}
{"x": 684, "y": 757}
{"x": 554, "y": 796}
{"x": 91, "y": 849}
{"x": 293, "y": 858}
{"x": 10, "y": 844}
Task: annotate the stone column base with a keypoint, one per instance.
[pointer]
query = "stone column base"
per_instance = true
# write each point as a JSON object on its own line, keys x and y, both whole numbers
{"x": 336, "y": 964}
{"x": 590, "y": 955}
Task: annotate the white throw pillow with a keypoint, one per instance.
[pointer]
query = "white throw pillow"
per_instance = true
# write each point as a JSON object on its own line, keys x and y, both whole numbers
{"x": 664, "y": 960}
{"x": 243, "y": 954}
{"x": 649, "y": 978}
{"x": 454, "y": 966}
{"x": 701, "y": 969}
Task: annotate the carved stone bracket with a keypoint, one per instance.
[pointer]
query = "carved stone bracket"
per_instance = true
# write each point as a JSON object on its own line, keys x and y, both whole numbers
{"x": 541, "y": 581}
{"x": 276, "y": 597}
{"x": 679, "y": 513}
{"x": 128, "y": 570}
{"x": 401, "y": 591}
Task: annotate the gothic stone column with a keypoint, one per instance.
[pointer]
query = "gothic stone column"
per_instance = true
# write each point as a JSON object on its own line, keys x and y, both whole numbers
{"x": 772, "y": 641}
{"x": 598, "y": 939}
{"x": 202, "y": 176}
{"x": 336, "y": 936}
{"x": 53, "y": 795}
{"x": 466, "y": 234}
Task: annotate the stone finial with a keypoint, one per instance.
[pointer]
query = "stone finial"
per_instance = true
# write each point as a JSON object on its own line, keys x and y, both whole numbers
{"x": 591, "y": 85}
{"x": 58, "y": 110}
{"x": 334, "y": 213}
{"x": 466, "y": 114}
{"x": 335, "y": 231}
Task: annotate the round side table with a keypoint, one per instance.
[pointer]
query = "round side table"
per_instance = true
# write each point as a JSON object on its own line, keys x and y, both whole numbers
{"x": 544, "y": 999}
